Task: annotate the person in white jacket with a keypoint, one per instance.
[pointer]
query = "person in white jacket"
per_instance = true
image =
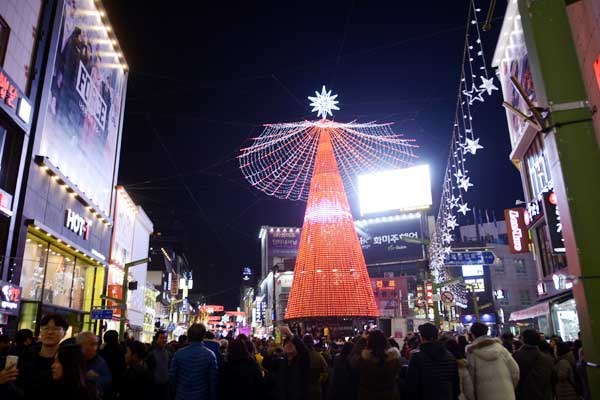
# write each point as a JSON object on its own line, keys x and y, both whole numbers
{"x": 494, "y": 372}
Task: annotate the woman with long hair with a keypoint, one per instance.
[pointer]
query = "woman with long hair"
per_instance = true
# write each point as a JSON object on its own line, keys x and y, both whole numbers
{"x": 240, "y": 375}
{"x": 378, "y": 367}
{"x": 69, "y": 374}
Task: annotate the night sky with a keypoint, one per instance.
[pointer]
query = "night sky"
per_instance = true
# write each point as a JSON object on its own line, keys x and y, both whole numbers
{"x": 203, "y": 81}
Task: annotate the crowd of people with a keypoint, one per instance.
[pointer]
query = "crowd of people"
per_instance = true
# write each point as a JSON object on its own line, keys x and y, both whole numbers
{"x": 429, "y": 365}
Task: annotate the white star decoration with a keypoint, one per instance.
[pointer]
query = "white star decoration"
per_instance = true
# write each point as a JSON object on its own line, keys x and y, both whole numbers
{"x": 472, "y": 145}
{"x": 463, "y": 209}
{"x": 446, "y": 238}
{"x": 324, "y": 103}
{"x": 465, "y": 184}
{"x": 488, "y": 85}
{"x": 447, "y": 250}
{"x": 458, "y": 175}
{"x": 451, "y": 223}
{"x": 453, "y": 202}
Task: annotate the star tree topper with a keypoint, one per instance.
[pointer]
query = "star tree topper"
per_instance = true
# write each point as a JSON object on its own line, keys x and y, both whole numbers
{"x": 324, "y": 103}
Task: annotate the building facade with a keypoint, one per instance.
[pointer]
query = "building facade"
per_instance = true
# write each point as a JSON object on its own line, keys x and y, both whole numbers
{"x": 533, "y": 154}
{"x": 59, "y": 236}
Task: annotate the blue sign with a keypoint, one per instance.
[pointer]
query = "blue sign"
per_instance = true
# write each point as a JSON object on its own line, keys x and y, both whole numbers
{"x": 101, "y": 314}
{"x": 470, "y": 258}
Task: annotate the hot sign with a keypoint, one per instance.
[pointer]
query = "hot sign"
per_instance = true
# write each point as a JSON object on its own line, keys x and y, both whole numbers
{"x": 518, "y": 236}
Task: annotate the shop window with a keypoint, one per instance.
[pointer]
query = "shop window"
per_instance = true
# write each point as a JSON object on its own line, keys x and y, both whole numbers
{"x": 499, "y": 265}
{"x": 4, "y": 33}
{"x": 28, "y": 317}
{"x": 33, "y": 268}
{"x": 525, "y": 297}
{"x": 59, "y": 278}
{"x": 520, "y": 266}
{"x": 551, "y": 263}
{"x": 504, "y": 301}
{"x": 77, "y": 292}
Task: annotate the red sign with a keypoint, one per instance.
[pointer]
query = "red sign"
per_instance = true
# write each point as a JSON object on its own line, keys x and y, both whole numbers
{"x": 429, "y": 293}
{"x": 115, "y": 291}
{"x": 516, "y": 229}
{"x": 212, "y": 308}
{"x": 597, "y": 70}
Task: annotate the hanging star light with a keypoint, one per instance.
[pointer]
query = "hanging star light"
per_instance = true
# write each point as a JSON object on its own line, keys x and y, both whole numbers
{"x": 476, "y": 95}
{"x": 324, "y": 103}
{"x": 488, "y": 85}
{"x": 458, "y": 175}
{"x": 451, "y": 222}
{"x": 463, "y": 208}
{"x": 447, "y": 250}
{"x": 446, "y": 238}
{"x": 472, "y": 145}
{"x": 454, "y": 202}
{"x": 465, "y": 184}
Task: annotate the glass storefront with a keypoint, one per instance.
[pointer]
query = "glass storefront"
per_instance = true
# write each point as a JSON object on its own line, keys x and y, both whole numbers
{"x": 566, "y": 322}
{"x": 54, "y": 277}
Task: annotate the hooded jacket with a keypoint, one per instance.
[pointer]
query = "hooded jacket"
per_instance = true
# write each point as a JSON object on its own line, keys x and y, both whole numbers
{"x": 433, "y": 373}
{"x": 494, "y": 372}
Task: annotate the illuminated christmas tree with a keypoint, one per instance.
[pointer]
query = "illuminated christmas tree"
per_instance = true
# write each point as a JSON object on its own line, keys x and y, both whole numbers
{"x": 308, "y": 160}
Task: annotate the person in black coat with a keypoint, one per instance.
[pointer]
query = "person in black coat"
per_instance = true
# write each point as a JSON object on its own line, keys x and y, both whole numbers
{"x": 137, "y": 379}
{"x": 114, "y": 355}
{"x": 432, "y": 371}
{"x": 240, "y": 376}
{"x": 344, "y": 382}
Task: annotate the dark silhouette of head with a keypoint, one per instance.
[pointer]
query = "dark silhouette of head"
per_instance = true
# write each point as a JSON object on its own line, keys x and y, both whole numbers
{"x": 377, "y": 343}
{"x": 530, "y": 337}
{"x": 428, "y": 332}
{"x": 478, "y": 329}
{"x": 111, "y": 337}
{"x": 196, "y": 333}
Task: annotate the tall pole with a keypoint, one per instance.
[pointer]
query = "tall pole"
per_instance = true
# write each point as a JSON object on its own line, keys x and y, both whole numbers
{"x": 123, "y": 304}
{"x": 573, "y": 155}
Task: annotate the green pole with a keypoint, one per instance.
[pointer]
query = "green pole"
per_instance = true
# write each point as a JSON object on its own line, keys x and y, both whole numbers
{"x": 123, "y": 302}
{"x": 573, "y": 155}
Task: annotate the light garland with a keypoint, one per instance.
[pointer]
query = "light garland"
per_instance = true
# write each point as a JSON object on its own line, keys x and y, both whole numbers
{"x": 457, "y": 181}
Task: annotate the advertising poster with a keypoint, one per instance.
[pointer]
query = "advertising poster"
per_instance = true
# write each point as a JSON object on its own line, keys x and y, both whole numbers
{"x": 282, "y": 247}
{"x": 81, "y": 125}
{"x": 391, "y": 242}
{"x": 388, "y": 296}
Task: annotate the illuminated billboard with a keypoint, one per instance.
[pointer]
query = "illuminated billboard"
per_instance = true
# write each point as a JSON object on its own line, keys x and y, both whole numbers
{"x": 397, "y": 189}
{"x": 81, "y": 126}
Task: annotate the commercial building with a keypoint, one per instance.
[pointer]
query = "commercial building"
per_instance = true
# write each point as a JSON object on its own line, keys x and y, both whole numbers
{"x": 508, "y": 283}
{"x": 19, "y": 91}
{"x": 535, "y": 155}
{"x": 58, "y": 238}
{"x": 130, "y": 242}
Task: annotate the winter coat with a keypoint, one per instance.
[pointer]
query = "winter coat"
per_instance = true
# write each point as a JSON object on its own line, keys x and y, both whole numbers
{"x": 318, "y": 370}
{"x": 467, "y": 392}
{"x": 114, "y": 356}
{"x": 565, "y": 379}
{"x": 344, "y": 381}
{"x": 138, "y": 381}
{"x": 535, "y": 369}
{"x": 494, "y": 372}
{"x": 240, "y": 379}
{"x": 378, "y": 380}
{"x": 103, "y": 381}
{"x": 433, "y": 373}
{"x": 193, "y": 373}
{"x": 290, "y": 376}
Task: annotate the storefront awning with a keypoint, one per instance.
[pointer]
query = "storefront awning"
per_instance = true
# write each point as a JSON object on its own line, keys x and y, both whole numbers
{"x": 531, "y": 312}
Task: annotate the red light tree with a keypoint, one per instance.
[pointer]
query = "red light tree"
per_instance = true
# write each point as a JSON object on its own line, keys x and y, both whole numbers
{"x": 306, "y": 160}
